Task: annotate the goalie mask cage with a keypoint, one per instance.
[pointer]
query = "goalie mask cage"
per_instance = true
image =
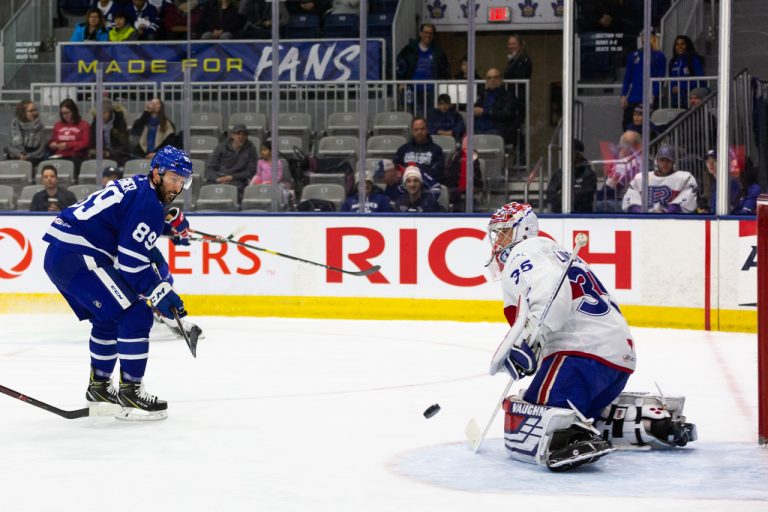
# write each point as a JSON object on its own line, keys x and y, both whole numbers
{"x": 762, "y": 318}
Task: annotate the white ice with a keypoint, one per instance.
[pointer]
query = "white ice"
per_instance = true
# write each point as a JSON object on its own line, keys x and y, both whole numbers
{"x": 294, "y": 415}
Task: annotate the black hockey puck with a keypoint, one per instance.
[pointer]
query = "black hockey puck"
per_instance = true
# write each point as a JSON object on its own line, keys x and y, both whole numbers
{"x": 431, "y": 410}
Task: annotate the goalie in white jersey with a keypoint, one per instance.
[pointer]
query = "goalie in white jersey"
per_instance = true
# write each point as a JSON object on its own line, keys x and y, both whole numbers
{"x": 580, "y": 360}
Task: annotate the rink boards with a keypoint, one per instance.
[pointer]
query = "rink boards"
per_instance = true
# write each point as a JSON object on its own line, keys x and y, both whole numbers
{"x": 664, "y": 272}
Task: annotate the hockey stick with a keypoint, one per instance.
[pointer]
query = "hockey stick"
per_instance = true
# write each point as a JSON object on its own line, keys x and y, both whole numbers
{"x": 70, "y": 415}
{"x": 474, "y": 435}
{"x": 207, "y": 237}
{"x": 191, "y": 342}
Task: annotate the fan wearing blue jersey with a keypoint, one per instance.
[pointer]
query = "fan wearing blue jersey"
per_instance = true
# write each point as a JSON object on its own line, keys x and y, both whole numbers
{"x": 102, "y": 258}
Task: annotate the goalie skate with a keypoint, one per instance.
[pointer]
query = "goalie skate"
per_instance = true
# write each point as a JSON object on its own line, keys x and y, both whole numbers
{"x": 138, "y": 405}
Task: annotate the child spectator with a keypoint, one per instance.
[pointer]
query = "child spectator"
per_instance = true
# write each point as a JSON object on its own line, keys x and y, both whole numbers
{"x": 375, "y": 201}
{"x": 415, "y": 199}
{"x": 263, "y": 174}
{"x": 445, "y": 120}
{"x": 27, "y": 134}
{"x": 122, "y": 31}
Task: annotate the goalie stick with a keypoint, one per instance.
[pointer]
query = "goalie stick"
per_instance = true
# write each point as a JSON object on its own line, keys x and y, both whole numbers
{"x": 474, "y": 435}
{"x": 70, "y": 415}
{"x": 207, "y": 237}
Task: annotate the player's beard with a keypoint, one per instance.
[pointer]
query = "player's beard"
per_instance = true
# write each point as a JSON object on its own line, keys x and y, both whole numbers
{"x": 164, "y": 195}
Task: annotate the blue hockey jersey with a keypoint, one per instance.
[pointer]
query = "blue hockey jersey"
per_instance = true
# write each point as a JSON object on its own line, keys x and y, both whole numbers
{"x": 120, "y": 222}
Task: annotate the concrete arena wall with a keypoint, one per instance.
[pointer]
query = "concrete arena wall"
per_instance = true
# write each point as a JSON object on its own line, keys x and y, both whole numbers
{"x": 670, "y": 272}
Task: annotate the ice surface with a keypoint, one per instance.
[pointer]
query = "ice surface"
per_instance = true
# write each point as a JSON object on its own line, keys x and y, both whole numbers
{"x": 294, "y": 415}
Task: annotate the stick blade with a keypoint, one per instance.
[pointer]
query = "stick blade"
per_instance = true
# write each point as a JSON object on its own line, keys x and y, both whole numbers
{"x": 365, "y": 272}
{"x": 474, "y": 434}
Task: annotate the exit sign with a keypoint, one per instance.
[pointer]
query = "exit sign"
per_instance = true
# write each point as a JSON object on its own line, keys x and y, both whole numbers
{"x": 499, "y": 15}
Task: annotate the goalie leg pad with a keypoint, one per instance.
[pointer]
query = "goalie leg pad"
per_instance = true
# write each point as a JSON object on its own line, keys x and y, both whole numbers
{"x": 549, "y": 436}
{"x": 645, "y": 421}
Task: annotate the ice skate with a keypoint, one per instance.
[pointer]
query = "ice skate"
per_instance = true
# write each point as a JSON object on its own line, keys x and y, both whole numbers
{"x": 101, "y": 396}
{"x": 574, "y": 447}
{"x": 138, "y": 405}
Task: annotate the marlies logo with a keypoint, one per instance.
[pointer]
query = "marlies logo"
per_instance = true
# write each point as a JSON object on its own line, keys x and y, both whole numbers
{"x": 26, "y": 250}
{"x": 436, "y": 10}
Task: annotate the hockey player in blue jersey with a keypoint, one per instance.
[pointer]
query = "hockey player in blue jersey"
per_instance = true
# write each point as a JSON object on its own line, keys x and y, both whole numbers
{"x": 102, "y": 258}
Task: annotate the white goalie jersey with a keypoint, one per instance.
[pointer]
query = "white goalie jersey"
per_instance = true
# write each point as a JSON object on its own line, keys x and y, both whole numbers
{"x": 583, "y": 320}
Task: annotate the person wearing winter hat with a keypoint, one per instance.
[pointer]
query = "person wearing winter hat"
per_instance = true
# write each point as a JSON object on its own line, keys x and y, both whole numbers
{"x": 415, "y": 199}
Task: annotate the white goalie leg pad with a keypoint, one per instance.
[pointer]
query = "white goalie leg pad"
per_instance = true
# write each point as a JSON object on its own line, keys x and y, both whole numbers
{"x": 637, "y": 420}
{"x": 529, "y": 431}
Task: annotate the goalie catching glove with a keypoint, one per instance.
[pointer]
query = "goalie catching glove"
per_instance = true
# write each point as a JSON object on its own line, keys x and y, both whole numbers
{"x": 176, "y": 226}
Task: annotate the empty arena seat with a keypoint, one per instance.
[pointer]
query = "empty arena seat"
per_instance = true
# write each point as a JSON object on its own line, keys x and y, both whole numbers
{"x": 25, "y": 197}
{"x": 205, "y": 123}
{"x": 384, "y": 146}
{"x": 217, "y": 197}
{"x": 341, "y": 25}
{"x": 89, "y": 173}
{"x": 343, "y": 123}
{"x": 326, "y": 191}
{"x": 83, "y": 191}
{"x": 392, "y": 123}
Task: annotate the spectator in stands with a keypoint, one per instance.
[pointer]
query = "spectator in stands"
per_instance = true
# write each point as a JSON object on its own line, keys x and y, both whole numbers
{"x": 264, "y": 166}
{"x": 456, "y": 178}
{"x": 696, "y": 96}
{"x": 318, "y": 8}
{"x": 463, "y": 72}
{"x": 445, "y": 120}
{"x": 745, "y": 202}
{"x": 92, "y": 29}
{"x": 108, "y": 8}
{"x": 222, "y": 20}
{"x": 27, "y": 142}
{"x": 421, "y": 60}
{"x": 122, "y": 30}
{"x": 416, "y": 198}
{"x": 117, "y": 144}
{"x": 110, "y": 174}
{"x": 584, "y": 182}
{"x": 386, "y": 172}
{"x": 175, "y": 19}
{"x": 145, "y": 18}
{"x": 519, "y": 65}
{"x": 685, "y": 63}
{"x": 257, "y": 15}
{"x": 669, "y": 190}
{"x": 53, "y": 198}
{"x": 734, "y": 188}
{"x": 345, "y": 7}
{"x": 629, "y": 162}
{"x": 422, "y": 151}
{"x": 234, "y": 161}
{"x": 153, "y": 129}
{"x": 637, "y": 120}
{"x": 495, "y": 109}
{"x": 71, "y": 136}
{"x": 375, "y": 200}
{"x": 632, "y": 86}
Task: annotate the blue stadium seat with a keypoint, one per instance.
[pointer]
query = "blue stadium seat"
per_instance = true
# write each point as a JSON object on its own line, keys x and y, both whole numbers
{"x": 342, "y": 25}
{"x": 383, "y": 6}
{"x": 304, "y": 26}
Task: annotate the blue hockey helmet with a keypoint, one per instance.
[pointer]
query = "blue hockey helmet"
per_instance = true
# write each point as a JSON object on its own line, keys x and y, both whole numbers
{"x": 175, "y": 160}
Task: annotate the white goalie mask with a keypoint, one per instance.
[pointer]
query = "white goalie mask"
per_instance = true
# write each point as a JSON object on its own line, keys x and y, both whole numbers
{"x": 509, "y": 225}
